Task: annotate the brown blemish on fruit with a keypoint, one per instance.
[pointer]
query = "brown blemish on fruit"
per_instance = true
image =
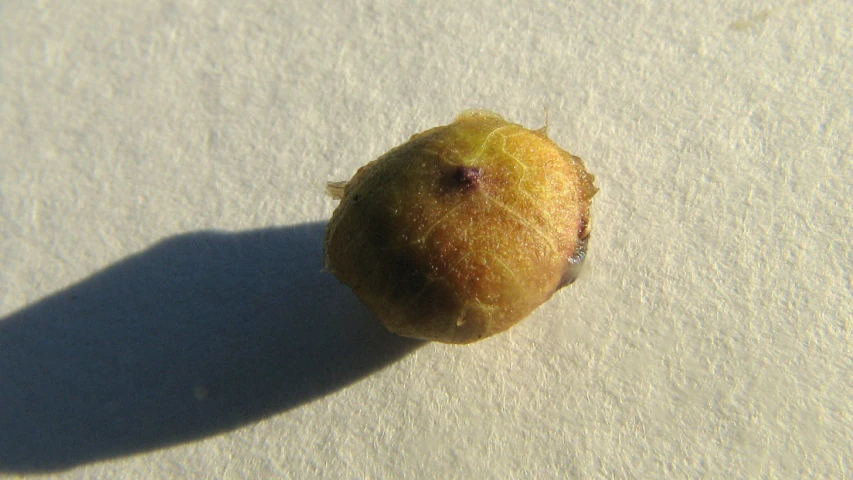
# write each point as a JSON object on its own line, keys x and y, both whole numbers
{"x": 467, "y": 176}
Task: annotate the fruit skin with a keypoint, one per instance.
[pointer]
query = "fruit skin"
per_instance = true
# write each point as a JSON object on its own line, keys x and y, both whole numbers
{"x": 461, "y": 232}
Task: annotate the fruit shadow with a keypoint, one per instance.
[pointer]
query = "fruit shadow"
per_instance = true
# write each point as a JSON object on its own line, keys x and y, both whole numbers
{"x": 200, "y": 333}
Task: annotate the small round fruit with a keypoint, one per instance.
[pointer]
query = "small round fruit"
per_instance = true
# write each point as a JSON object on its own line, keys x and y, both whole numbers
{"x": 462, "y": 231}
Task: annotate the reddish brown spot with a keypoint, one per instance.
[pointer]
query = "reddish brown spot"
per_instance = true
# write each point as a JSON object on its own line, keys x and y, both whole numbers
{"x": 467, "y": 176}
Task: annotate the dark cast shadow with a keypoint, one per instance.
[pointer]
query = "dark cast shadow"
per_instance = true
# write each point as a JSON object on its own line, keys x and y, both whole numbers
{"x": 201, "y": 333}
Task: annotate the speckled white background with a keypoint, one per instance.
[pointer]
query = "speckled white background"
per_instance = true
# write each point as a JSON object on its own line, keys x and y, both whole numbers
{"x": 161, "y": 210}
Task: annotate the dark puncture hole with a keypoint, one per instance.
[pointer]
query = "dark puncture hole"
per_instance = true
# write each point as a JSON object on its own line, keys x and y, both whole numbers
{"x": 467, "y": 176}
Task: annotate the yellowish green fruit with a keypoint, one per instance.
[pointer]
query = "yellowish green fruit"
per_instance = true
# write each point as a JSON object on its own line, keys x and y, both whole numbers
{"x": 462, "y": 231}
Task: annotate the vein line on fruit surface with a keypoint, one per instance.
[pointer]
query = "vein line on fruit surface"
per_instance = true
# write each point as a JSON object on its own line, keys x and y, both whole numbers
{"x": 523, "y": 171}
{"x": 475, "y": 159}
{"x": 435, "y": 224}
{"x": 522, "y": 220}
{"x": 430, "y": 279}
{"x": 502, "y": 264}
{"x": 521, "y": 189}
{"x": 484, "y": 254}
{"x": 502, "y": 148}
{"x": 434, "y": 278}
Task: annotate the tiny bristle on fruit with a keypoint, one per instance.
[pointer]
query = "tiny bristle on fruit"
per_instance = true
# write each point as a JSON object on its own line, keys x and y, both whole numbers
{"x": 462, "y": 231}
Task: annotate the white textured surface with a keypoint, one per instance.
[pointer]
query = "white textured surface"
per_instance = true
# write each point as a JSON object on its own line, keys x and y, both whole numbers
{"x": 709, "y": 336}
